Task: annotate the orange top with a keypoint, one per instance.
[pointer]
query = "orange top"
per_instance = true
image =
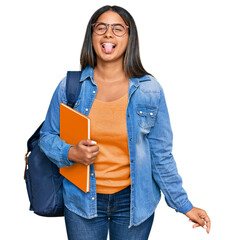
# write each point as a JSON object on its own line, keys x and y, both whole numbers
{"x": 108, "y": 128}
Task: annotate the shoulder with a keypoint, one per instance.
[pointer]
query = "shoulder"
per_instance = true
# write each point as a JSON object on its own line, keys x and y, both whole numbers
{"x": 149, "y": 83}
{"x": 62, "y": 83}
{"x": 60, "y": 90}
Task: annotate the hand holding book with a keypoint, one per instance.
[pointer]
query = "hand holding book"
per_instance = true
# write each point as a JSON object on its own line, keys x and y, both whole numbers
{"x": 84, "y": 152}
{"x": 75, "y": 130}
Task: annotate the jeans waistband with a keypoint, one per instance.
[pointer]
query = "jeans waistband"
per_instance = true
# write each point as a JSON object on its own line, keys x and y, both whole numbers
{"x": 123, "y": 191}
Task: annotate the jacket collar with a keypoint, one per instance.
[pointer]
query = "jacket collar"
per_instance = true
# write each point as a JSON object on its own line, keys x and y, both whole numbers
{"x": 88, "y": 73}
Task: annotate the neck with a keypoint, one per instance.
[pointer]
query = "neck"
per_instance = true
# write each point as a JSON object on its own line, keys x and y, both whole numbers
{"x": 109, "y": 71}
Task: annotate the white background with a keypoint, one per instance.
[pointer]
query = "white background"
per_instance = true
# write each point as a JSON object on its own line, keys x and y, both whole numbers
{"x": 187, "y": 45}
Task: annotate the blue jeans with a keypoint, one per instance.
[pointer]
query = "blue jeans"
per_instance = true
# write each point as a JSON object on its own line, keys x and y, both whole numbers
{"x": 113, "y": 214}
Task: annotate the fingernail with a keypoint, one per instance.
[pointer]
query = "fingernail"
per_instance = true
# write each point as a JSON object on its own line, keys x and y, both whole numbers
{"x": 93, "y": 141}
{"x": 205, "y": 226}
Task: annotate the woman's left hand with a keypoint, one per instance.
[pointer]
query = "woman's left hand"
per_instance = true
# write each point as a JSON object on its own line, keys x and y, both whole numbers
{"x": 199, "y": 217}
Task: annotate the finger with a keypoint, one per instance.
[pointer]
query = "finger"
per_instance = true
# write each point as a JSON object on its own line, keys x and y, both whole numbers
{"x": 208, "y": 223}
{"x": 208, "y": 226}
{"x": 88, "y": 142}
{"x": 200, "y": 221}
{"x": 95, "y": 154}
{"x": 196, "y": 225}
{"x": 91, "y": 148}
{"x": 207, "y": 220}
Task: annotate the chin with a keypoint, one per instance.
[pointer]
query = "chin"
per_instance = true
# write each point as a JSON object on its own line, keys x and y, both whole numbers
{"x": 107, "y": 57}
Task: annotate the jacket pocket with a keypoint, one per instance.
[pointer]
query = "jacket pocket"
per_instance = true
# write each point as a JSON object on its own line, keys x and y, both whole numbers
{"x": 146, "y": 116}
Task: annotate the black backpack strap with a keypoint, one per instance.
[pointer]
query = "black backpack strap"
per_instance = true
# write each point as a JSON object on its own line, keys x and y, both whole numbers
{"x": 34, "y": 138}
{"x": 73, "y": 87}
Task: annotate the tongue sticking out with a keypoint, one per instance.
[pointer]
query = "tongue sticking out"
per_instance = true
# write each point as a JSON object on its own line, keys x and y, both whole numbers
{"x": 108, "y": 48}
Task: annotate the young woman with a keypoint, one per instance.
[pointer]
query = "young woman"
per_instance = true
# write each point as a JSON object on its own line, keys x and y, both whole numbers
{"x": 131, "y": 139}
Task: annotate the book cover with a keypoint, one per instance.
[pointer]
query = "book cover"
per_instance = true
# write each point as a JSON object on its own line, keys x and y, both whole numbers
{"x": 75, "y": 126}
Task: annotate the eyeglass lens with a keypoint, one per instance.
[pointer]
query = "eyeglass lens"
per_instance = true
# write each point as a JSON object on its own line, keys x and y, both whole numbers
{"x": 101, "y": 28}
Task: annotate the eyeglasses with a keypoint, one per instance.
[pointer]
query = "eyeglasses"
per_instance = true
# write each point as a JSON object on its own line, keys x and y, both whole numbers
{"x": 101, "y": 28}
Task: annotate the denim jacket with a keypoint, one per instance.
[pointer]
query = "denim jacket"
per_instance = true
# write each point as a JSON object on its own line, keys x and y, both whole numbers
{"x": 152, "y": 165}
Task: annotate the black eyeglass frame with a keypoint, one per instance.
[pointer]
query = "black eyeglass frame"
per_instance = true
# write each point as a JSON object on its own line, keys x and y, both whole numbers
{"x": 112, "y": 25}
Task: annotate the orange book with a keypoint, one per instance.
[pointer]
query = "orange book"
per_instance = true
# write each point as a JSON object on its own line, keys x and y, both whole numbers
{"x": 75, "y": 126}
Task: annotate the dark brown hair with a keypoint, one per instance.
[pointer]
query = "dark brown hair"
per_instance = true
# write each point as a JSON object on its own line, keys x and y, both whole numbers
{"x": 131, "y": 62}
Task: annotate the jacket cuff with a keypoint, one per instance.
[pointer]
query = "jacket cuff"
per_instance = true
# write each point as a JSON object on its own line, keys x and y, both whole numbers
{"x": 65, "y": 155}
{"x": 185, "y": 208}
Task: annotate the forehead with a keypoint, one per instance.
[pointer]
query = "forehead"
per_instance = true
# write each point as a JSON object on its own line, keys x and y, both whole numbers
{"x": 110, "y": 17}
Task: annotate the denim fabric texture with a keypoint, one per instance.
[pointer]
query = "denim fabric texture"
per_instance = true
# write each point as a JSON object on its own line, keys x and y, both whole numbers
{"x": 152, "y": 165}
{"x": 113, "y": 215}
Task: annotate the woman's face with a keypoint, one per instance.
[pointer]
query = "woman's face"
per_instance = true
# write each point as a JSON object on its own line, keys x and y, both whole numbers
{"x": 109, "y": 47}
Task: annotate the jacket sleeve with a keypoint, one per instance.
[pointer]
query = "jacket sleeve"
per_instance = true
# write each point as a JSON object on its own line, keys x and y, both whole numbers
{"x": 163, "y": 164}
{"x": 50, "y": 142}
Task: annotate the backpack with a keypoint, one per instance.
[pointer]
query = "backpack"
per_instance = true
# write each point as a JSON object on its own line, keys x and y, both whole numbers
{"x": 42, "y": 177}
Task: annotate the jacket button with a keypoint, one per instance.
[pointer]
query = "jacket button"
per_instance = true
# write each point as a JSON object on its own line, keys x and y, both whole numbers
{"x": 93, "y": 198}
{"x": 86, "y": 109}
{"x": 131, "y": 160}
{"x": 92, "y": 174}
{"x": 128, "y": 115}
{"x": 94, "y": 91}
{"x": 130, "y": 139}
{"x": 132, "y": 208}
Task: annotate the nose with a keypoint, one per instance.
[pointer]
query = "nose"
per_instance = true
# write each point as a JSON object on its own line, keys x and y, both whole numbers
{"x": 109, "y": 32}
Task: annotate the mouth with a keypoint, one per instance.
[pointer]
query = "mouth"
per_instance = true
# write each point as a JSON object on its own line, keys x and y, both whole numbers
{"x": 108, "y": 47}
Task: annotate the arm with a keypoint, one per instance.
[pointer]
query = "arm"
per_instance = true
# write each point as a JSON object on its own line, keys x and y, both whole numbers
{"x": 50, "y": 143}
{"x": 163, "y": 164}
{"x": 165, "y": 171}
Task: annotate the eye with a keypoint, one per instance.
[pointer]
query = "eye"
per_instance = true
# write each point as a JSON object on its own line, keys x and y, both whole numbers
{"x": 119, "y": 28}
{"x": 100, "y": 27}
